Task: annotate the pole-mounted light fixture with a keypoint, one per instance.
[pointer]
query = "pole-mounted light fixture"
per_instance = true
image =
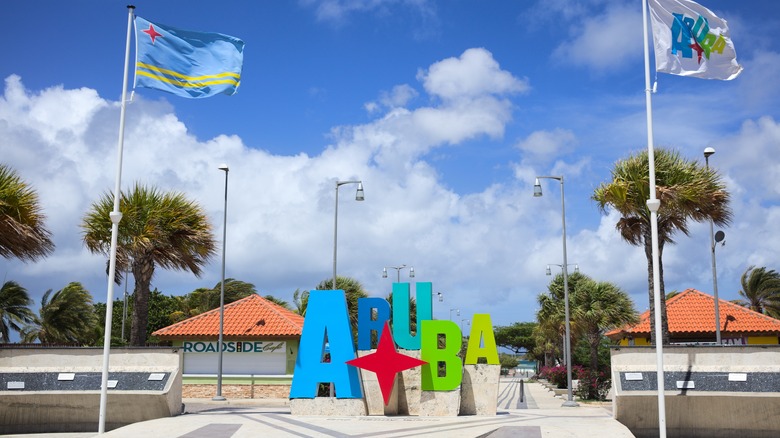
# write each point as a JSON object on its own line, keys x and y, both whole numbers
{"x": 567, "y": 344}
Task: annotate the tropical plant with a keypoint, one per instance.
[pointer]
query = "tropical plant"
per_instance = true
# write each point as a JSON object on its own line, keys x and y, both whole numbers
{"x": 507, "y": 361}
{"x": 594, "y": 385}
{"x": 597, "y": 307}
{"x": 15, "y": 310}
{"x": 353, "y": 291}
{"x": 67, "y": 317}
{"x": 552, "y": 316}
{"x": 301, "y": 301}
{"x": 517, "y": 337}
{"x": 202, "y": 299}
{"x": 157, "y": 229}
{"x": 687, "y": 191}
{"x": 278, "y": 301}
{"x": 22, "y": 231}
{"x": 761, "y": 291}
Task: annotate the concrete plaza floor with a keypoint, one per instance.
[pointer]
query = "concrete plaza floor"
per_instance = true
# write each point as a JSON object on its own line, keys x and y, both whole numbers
{"x": 538, "y": 414}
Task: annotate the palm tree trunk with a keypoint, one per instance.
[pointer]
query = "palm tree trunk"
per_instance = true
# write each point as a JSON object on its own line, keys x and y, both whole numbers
{"x": 143, "y": 269}
{"x": 595, "y": 340}
{"x": 651, "y": 291}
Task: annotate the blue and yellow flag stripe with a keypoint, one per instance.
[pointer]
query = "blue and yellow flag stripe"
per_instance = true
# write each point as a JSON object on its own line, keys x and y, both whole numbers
{"x": 187, "y": 63}
{"x": 178, "y": 79}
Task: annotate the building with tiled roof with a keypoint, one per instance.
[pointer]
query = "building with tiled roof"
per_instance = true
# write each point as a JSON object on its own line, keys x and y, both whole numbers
{"x": 260, "y": 345}
{"x": 250, "y": 317}
{"x": 691, "y": 318}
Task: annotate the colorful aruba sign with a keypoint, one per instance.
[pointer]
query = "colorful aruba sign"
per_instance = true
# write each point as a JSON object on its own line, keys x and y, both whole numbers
{"x": 327, "y": 321}
{"x": 689, "y": 35}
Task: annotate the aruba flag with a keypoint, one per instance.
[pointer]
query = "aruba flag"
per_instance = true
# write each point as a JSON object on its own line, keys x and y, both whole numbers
{"x": 186, "y": 63}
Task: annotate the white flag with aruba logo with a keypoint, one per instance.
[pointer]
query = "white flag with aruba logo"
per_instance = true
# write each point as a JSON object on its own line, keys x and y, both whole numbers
{"x": 692, "y": 41}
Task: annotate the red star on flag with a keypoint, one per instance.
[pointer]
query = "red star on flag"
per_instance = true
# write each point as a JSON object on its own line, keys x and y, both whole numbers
{"x": 386, "y": 362}
{"x": 152, "y": 32}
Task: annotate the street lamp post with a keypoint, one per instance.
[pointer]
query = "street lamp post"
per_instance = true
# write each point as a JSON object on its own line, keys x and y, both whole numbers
{"x": 707, "y": 152}
{"x": 549, "y": 272}
{"x": 219, "y": 397}
{"x": 398, "y": 272}
{"x": 537, "y": 193}
{"x": 359, "y": 196}
{"x": 457, "y": 312}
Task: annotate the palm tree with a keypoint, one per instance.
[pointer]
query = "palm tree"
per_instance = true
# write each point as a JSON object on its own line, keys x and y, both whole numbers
{"x": 157, "y": 230}
{"x": 22, "y": 232}
{"x": 278, "y": 301}
{"x": 353, "y": 291}
{"x": 598, "y": 307}
{"x": 687, "y": 191}
{"x": 68, "y": 318}
{"x": 14, "y": 309}
{"x": 301, "y": 301}
{"x": 552, "y": 315}
{"x": 202, "y": 299}
{"x": 761, "y": 290}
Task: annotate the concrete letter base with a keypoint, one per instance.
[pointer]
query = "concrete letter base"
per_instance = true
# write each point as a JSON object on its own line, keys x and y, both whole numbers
{"x": 479, "y": 390}
{"x": 409, "y": 387}
{"x": 339, "y": 407}
{"x": 374, "y": 401}
{"x": 440, "y": 403}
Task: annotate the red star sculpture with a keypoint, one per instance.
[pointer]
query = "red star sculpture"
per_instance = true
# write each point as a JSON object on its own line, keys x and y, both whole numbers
{"x": 152, "y": 32}
{"x": 386, "y": 362}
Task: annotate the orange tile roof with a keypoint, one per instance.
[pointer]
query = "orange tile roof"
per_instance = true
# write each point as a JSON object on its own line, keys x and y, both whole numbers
{"x": 250, "y": 317}
{"x": 693, "y": 312}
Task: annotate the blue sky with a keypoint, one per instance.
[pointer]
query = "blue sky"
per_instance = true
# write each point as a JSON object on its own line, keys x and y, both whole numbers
{"x": 446, "y": 110}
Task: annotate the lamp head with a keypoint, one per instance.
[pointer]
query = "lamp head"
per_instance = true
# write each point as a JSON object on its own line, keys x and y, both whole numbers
{"x": 576, "y": 268}
{"x": 441, "y": 296}
{"x": 708, "y": 151}
{"x": 547, "y": 271}
{"x": 359, "y": 195}
{"x": 224, "y": 167}
{"x": 411, "y": 272}
{"x": 537, "y": 189}
{"x": 384, "y": 272}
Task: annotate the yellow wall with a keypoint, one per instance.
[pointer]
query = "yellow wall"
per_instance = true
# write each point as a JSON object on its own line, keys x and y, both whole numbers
{"x": 637, "y": 342}
{"x": 762, "y": 340}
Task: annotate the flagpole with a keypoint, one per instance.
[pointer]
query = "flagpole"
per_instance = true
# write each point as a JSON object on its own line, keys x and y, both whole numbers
{"x": 653, "y": 204}
{"x": 115, "y": 216}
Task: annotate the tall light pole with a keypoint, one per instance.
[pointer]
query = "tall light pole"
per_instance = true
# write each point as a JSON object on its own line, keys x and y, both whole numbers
{"x": 219, "y": 397}
{"x": 398, "y": 272}
{"x": 457, "y": 313}
{"x": 358, "y": 197}
{"x": 707, "y": 152}
{"x": 537, "y": 193}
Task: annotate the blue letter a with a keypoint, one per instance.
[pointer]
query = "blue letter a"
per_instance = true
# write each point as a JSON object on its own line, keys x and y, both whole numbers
{"x": 326, "y": 319}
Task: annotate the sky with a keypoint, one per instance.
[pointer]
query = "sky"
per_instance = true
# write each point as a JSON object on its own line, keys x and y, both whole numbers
{"x": 445, "y": 110}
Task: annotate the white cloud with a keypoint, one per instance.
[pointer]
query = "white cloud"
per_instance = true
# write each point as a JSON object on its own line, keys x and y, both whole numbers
{"x": 604, "y": 42}
{"x": 545, "y": 145}
{"x": 474, "y": 74}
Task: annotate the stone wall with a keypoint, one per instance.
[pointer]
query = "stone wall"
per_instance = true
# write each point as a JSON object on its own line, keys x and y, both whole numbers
{"x": 709, "y": 391}
{"x": 34, "y": 402}
{"x": 236, "y": 391}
